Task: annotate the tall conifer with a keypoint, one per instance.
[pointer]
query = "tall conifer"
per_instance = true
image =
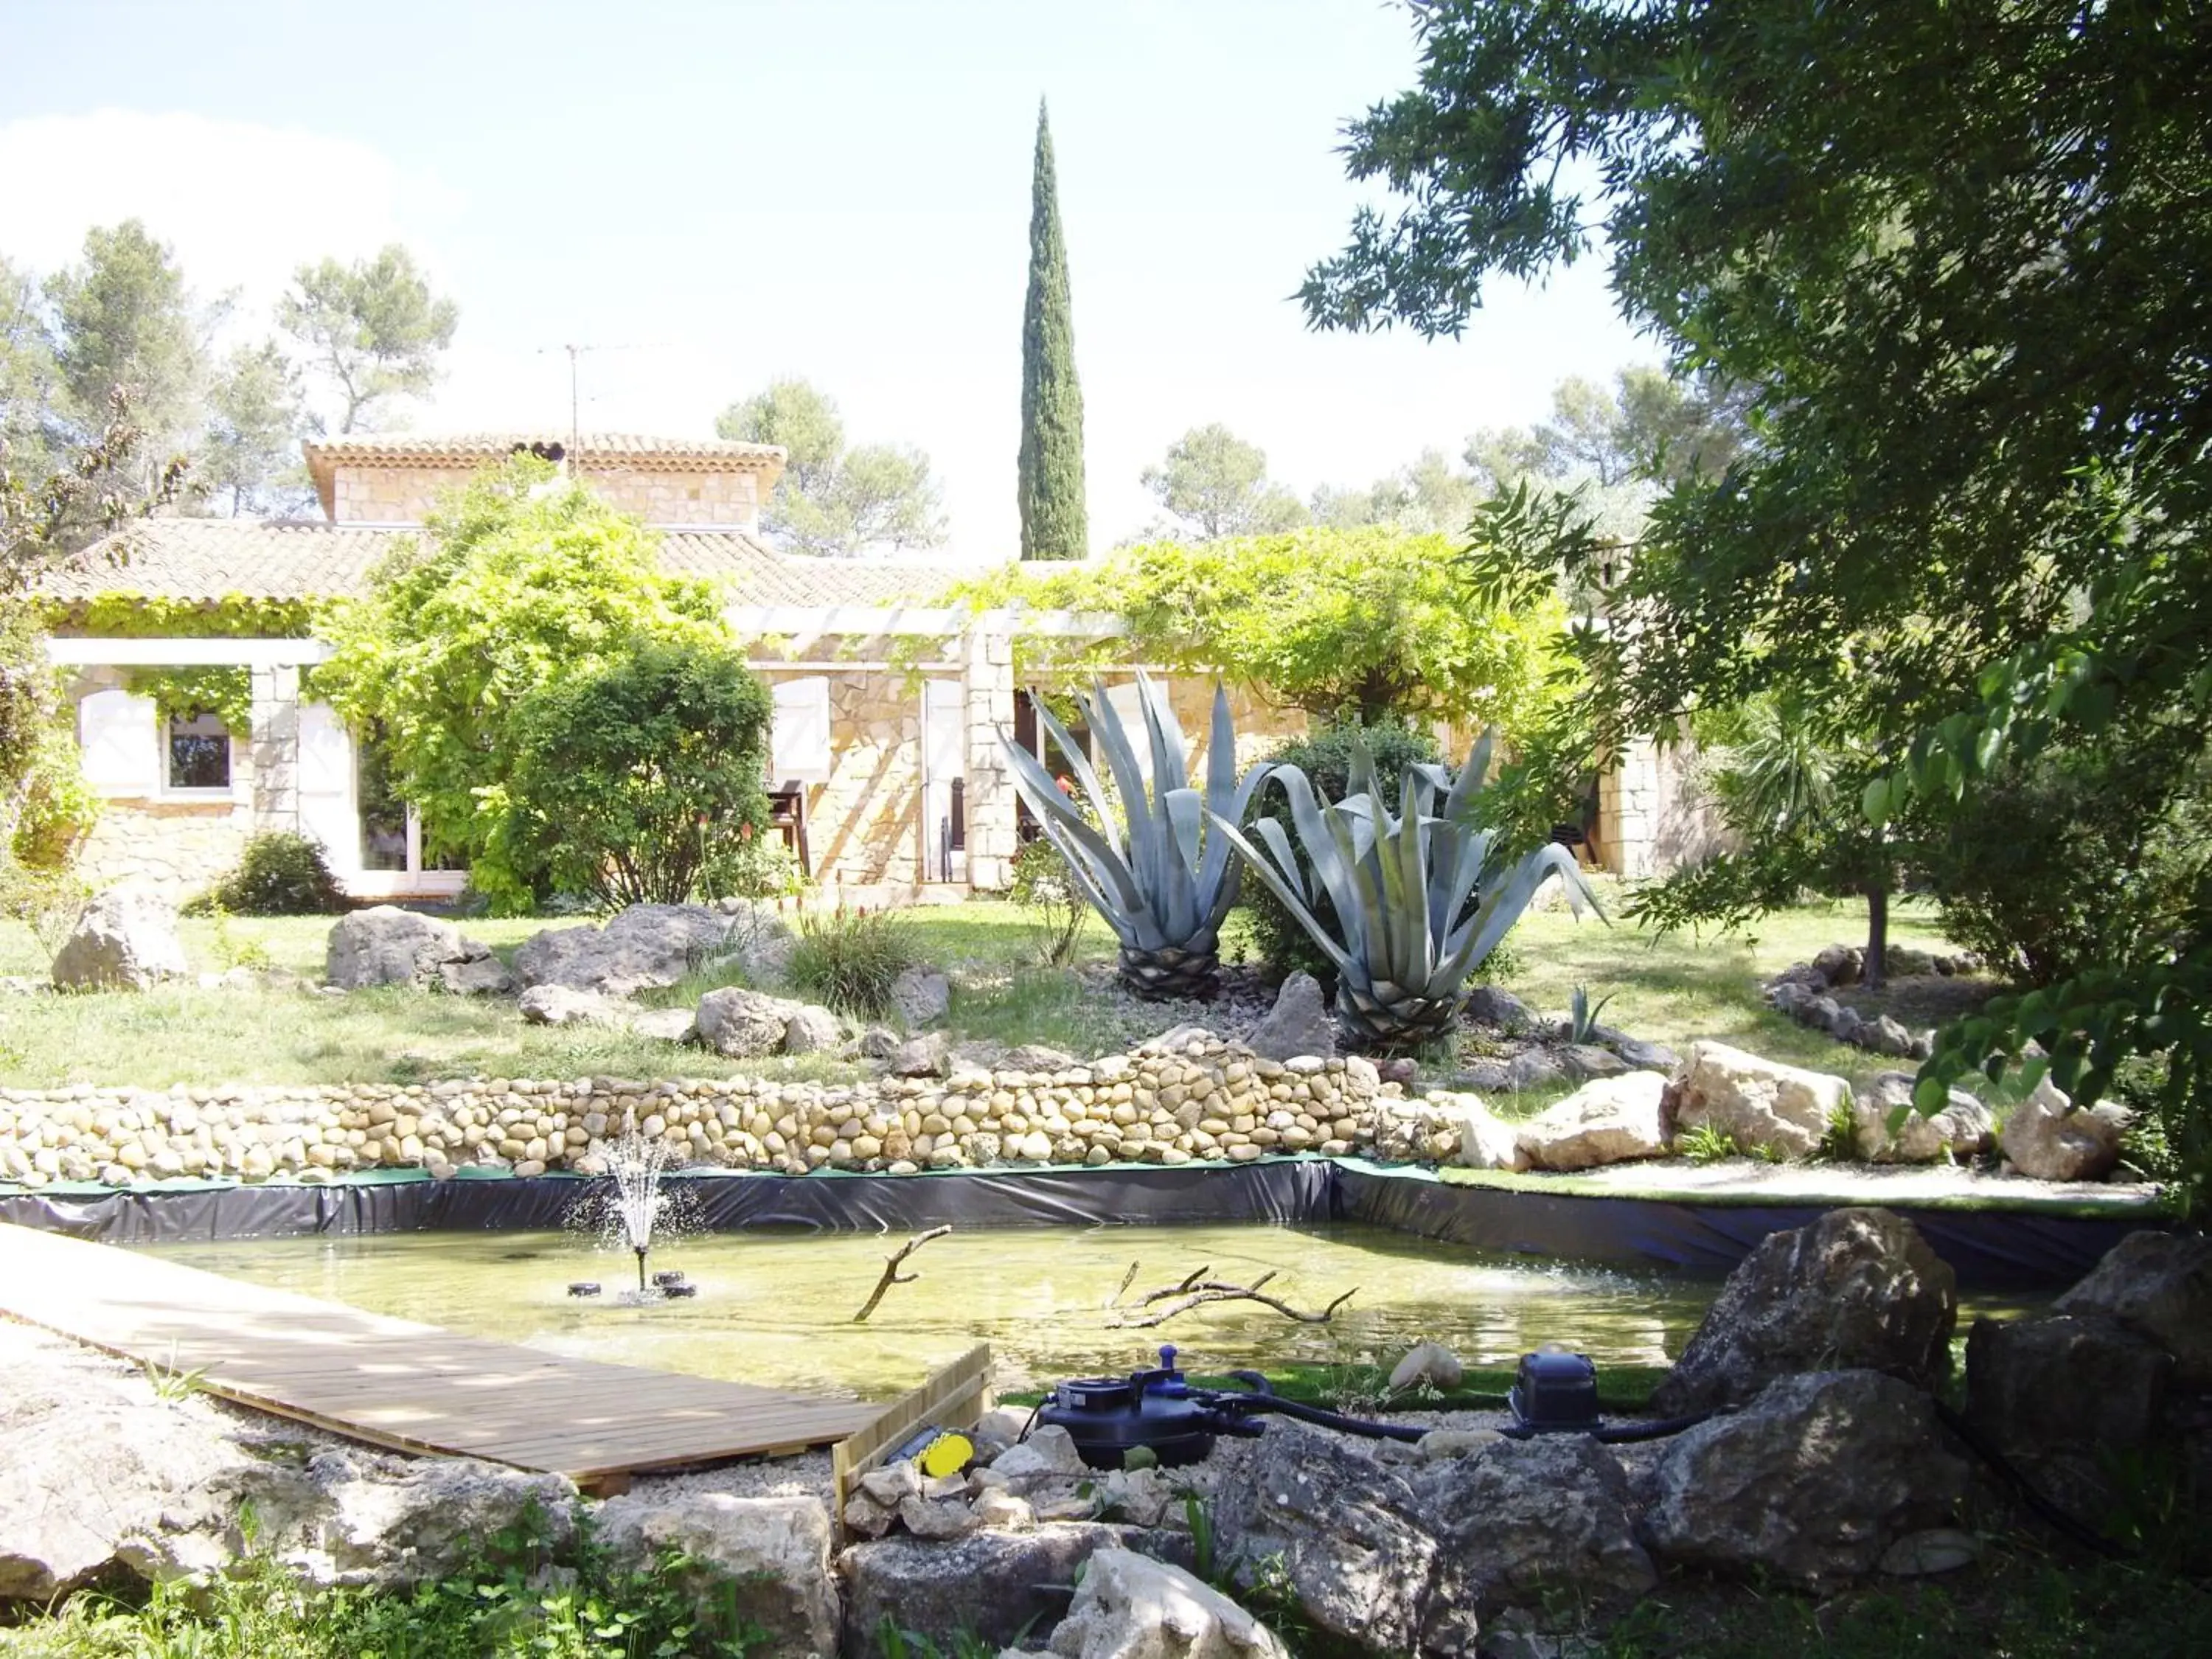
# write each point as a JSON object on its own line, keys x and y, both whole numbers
{"x": 1054, "y": 525}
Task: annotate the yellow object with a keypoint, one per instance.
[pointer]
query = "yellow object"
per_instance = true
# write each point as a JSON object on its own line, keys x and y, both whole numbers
{"x": 948, "y": 1454}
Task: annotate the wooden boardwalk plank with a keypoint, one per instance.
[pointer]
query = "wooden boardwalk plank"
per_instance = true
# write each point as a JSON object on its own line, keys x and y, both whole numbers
{"x": 396, "y": 1384}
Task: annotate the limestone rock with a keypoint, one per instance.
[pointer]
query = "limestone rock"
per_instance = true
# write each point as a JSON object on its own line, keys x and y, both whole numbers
{"x": 1132, "y": 1608}
{"x": 557, "y": 1005}
{"x": 878, "y": 1042}
{"x": 1963, "y": 1129}
{"x": 646, "y": 945}
{"x": 2049, "y": 1138}
{"x": 1641, "y": 1055}
{"x": 1609, "y": 1120}
{"x": 484, "y": 976}
{"x": 1815, "y": 1480}
{"x": 1299, "y": 1024}
{"x": 1759, "y": 1103}
{"x": 1048, "y": 1451}
{"x": 1486, "y": 1142}
{"x": 927, "y": 1055}
{"x": 1939, "y": 1549}
{"x": 1524, "y": 1522}
{"x": 1585, "y": 1060}
{"x": 743, "y": 1024}
{"x": 405, "y": 1520}
{"x": 991, "y": 1587}
{"x": 922, "y": 997}
{"x": 1857, "y": 1288}
{"x": 2159, "y": 1284}
{"x": 939, "y": 1518}
{"x": 1488, "y": 1006}
{"x": 770, "y": 1554}
{"x": 813, "y": 1030}
{"x": 125, "y": 939}
{"x": 1431, "y": 1362}
{"x": 1035, "y": 1057}
{"x": 2076, "y": 1378}
{"x": 1533, "y": 1068}
{"x": 388, "y": 946}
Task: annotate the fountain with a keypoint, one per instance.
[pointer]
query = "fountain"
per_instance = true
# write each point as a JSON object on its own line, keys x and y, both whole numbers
{"x": 636, "y": 1165}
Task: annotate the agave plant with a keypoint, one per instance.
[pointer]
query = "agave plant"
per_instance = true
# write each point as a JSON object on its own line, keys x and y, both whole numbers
{"x": 1421, "y": 897}
{"x": 1162, "y": 882}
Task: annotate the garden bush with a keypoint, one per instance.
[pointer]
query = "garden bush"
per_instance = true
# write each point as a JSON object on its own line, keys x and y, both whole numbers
{"x": 848, "y": 959}
{"x": 2076, "y": 861}
{"x": 279, "y": 874}
{"x": 640, "y": 783}
{"x": 1047, "y": 892}
{"x": 1325, "y": 756}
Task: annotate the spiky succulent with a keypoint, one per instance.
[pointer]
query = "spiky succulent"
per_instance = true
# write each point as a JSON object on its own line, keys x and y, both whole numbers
{"x": 1162, "y": 880}
{"x": 1421, "y": 897}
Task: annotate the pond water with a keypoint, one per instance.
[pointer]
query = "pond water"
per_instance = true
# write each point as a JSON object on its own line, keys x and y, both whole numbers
{"x": 776, "y": 1309}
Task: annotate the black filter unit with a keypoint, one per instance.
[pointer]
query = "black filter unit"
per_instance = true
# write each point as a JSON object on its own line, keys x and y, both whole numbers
{"x": 1555, "y": 1392}
{"x": 1155, "y": 1408}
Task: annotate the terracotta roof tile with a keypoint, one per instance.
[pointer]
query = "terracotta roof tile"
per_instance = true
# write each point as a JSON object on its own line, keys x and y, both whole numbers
{"x": 211, "y": 559}
{"x": 590, "y": 449}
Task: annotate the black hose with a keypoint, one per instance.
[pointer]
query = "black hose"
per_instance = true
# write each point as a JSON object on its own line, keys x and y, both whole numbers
{"x": 1406, "y": 1432}
{"x": 2079, "y": 1531}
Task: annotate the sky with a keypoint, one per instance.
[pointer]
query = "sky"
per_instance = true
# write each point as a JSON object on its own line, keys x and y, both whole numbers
{"x": 713, "y": 195}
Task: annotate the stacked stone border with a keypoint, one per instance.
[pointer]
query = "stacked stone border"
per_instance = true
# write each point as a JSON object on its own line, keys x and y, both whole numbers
{"x": 1801, "y": 990}
{"x": 1202, "y": 1101}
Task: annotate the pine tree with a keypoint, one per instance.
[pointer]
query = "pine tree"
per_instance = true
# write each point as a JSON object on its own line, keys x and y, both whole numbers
{"x": 1053, "y": 522}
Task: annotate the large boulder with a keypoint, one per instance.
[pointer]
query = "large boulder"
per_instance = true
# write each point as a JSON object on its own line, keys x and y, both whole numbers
{"x": 125, "y": 939}
{"x": 1525, "y": 1523}
{"x": 921, "y": 996}
{"x": 2049, "y": 1138}
{"x": 1859, "y": 1288}
{"x": 2159, "y": 1284}
{"x": 1760, "y": 1105}
{"x": 1336, "y": 1530}
{"x": 1130, "y": 1607}
{"x": 1963, "y": 1129}
{"x": 1299, "y": 1024}
{"x": 557, "y": 1005}
{"x": 1417, "y": 1560}
{"x": 766, "y": 1560}
{"x": 388, "y": 946}
{"x": 1812, "y": 1481}
{"x": 1608, "y": 1120}
{"x": 1486, "y": 1142}
{"x": 809, "y": 1030}
{"x": 996, "y": 1587}
{"x": 372, "y": 1518}
{"x": 746, "y": 1024}
{"x": 2034, "y": 1384}
{"x": 644, "y": 946}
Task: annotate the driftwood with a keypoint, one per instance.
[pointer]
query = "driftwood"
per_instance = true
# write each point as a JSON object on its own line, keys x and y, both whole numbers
{"x": 891, "y": 1274}
{"x": 1196, "y": 1291}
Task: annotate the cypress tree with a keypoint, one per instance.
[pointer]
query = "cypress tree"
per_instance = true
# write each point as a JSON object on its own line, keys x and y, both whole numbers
{"x": 1054, "y": 525}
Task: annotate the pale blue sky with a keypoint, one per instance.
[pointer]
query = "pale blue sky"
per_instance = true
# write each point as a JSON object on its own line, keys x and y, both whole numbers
{"x": 838, "y": 190}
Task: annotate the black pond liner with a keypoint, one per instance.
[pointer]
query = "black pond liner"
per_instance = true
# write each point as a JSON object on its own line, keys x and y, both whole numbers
{"x": 2028, "y": 1246}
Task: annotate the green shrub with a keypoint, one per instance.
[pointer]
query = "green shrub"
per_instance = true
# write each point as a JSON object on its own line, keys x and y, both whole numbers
{"x": 279, "y": 874}
{"x": 1325, "y": 756}
{"x": 1045, "y": 890}
{"x": 2047, "y": 872}
{"x": 47, "y": 902}
{"x": 640, "y": 783}
{"x": 847, "y": 959}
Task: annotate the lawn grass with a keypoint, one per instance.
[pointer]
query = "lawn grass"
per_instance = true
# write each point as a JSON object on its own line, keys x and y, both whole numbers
{"x": 1669, "y": 991}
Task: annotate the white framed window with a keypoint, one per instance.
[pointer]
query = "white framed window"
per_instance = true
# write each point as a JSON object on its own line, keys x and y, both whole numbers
{"x": 118, "y": 746}
{"x": 798, "y": 742}
{"x": 195, "y": 754}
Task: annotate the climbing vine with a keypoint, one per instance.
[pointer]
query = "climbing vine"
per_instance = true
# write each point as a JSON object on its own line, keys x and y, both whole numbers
{"x": 223, "y": 690}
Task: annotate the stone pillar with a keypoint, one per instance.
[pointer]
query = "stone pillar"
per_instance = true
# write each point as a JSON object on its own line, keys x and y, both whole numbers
{"x": 989, "y": 799}
{"x": 1628, "y": 811}
{"x": 277, "y": 748}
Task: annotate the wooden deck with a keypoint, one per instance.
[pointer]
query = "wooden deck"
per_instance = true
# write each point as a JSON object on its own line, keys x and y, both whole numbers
{"x": 395, "y": 1383}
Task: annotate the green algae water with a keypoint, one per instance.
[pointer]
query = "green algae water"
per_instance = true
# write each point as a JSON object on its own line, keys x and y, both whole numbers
{"x": 776, "y": 1309}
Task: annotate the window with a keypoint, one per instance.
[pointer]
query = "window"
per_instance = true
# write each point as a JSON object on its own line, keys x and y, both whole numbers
{"x": 798, "y": 746}
{"x": 198, "y": 752}
{"x": 116, "y": 743}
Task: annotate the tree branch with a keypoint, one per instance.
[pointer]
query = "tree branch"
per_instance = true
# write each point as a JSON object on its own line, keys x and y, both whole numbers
{"x": 1196, "y": 1292}
{"x": 891, "y": 1274}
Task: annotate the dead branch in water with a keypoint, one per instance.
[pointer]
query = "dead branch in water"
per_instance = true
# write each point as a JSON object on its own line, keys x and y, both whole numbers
{"x": 1196, "y": 1291}
{"x": 1122, "y": 1289}
{"x": 891, "y": 1274}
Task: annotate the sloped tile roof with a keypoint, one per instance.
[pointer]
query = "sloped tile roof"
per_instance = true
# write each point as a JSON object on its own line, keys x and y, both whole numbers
{"x": 209, "y": 559}
{"x": 589, "y": 449}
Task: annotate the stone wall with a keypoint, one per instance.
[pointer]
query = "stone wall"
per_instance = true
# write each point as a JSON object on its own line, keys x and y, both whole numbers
{"x": 864, "y": 823}
{"x": 1210, "y": 1100}
{"x": 1652, "y": 818}
{"x": 180, "y": 848}
{"x": 405, "y": 494}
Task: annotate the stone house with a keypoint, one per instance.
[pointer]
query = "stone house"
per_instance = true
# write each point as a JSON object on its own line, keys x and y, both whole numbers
{"x": 888, "y": 707}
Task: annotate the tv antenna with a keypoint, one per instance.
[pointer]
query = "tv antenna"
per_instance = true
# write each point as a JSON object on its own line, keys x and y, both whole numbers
{"x": 576, "y": 354}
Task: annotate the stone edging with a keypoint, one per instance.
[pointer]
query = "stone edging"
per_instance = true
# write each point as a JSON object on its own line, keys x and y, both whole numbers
{"x": 1200, "y": 1099}
{"x": 1801, "y": 990}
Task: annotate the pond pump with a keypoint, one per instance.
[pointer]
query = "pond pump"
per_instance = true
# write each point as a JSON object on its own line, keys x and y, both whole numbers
{"x": 1555, "y": 1392}
{"x": 1159, "y": 1409}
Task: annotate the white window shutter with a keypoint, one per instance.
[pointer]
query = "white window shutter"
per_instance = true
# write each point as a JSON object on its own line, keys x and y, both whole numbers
{"x": 798, "y": 746}
{"x": 119, "y": 741}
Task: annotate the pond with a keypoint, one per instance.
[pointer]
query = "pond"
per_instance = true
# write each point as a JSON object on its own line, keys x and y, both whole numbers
{"x": 776, "y": 1309}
